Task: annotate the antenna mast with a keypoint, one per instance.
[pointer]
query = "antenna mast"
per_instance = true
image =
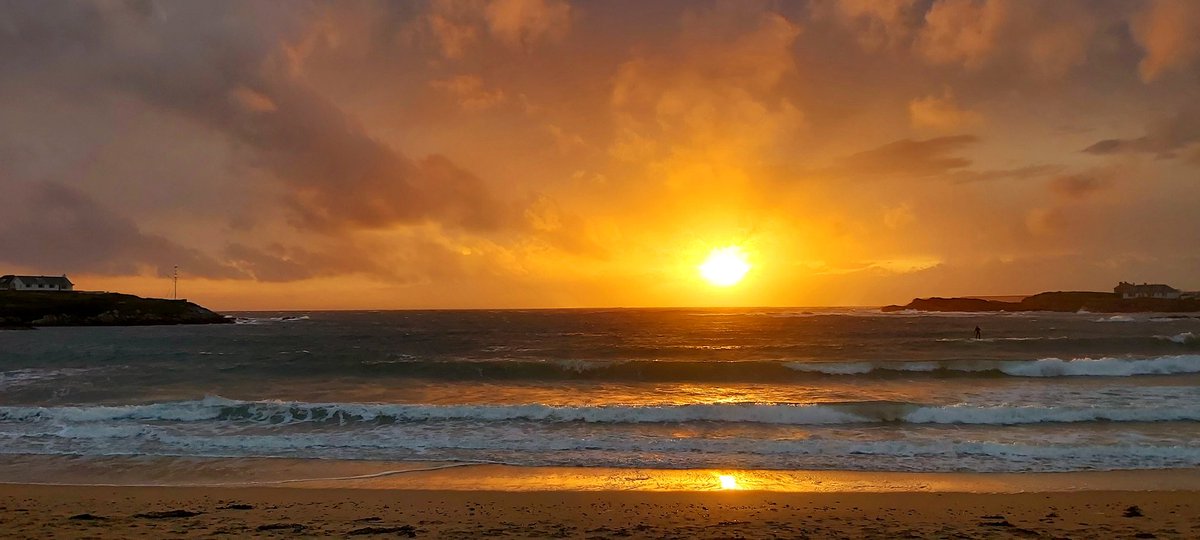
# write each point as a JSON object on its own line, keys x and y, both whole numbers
{"x": 175, "y": 284}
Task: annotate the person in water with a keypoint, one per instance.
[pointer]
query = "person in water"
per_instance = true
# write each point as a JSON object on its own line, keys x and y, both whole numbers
{"x": 978, "y": 333}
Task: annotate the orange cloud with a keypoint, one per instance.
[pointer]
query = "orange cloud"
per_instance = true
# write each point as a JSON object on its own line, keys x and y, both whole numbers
{"x": 522, "y": 23}
{"x": 879, "y": 25}
{"x": 471, "y": 92}
{"x": 941, "y": 113}
{"x": 1169, "y": 32}
{"x": 1052, "y": 38}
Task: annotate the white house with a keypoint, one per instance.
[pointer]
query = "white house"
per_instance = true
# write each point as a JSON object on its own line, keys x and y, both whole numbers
{"x": 35, "y": 283}
{"x": 1129, "y": 290}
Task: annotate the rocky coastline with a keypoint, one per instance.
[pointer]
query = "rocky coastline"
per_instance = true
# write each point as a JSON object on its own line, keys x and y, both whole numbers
{"x": 30, "y": 309}
{"x": 1061, "y": 301}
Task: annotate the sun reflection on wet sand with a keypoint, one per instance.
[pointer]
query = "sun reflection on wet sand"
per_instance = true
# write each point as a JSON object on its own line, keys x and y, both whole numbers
{"x": 728, "y": 481}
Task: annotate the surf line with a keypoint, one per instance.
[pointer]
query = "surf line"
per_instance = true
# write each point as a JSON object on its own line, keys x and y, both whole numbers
{"x": 381, "y": 474}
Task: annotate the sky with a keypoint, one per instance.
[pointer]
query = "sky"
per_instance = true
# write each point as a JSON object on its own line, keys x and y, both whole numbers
{"x": 544, "y": 153}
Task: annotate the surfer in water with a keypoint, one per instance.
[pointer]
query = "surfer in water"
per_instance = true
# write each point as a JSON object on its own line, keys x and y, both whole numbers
{"x": 978, "y": 333}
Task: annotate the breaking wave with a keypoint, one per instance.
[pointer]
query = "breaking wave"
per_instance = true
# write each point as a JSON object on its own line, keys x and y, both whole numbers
{"x": 1046, "y": 367}
{"x": 216, "y": 409}
{"x": 749, "y": 371}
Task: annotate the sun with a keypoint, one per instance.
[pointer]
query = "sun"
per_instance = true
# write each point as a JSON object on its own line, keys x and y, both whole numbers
{"x": 725, "y": 266}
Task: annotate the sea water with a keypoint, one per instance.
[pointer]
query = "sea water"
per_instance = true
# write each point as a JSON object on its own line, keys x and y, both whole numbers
{"x": 815, "y": 389}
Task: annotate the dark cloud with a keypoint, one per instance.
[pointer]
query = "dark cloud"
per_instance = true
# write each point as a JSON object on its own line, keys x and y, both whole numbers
{"x": 1078, "y": 186}
{"x": 231, "y": 66}
{"x": 909, "y": 158}
{"x": 54, "y": 228}
{"x": 1019, "y": 173}
{"x": 278, "y": 263}
{"x": 1163, "y": 138}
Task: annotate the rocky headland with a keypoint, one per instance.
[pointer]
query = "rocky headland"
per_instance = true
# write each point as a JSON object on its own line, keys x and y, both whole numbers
{"x": 27, "y": 309}
{"x": 1070, "y": 301}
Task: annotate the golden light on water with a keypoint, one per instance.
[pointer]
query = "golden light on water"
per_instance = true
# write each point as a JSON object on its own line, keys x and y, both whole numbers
{"x": 725, "y": 266}
{"x": 728, "y": 481}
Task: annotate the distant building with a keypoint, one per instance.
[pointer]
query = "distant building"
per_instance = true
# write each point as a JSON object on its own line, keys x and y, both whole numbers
{"x": 36, "y": 283}
{"x": 1158, "y": 290}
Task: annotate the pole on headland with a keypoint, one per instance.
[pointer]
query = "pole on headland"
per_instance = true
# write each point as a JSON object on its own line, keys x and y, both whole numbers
{"x": 175, "y": 284}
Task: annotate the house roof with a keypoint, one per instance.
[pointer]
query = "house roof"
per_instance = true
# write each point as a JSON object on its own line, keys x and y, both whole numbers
{"x": 49, "y": 281}
{"x": 1147, "y": 288}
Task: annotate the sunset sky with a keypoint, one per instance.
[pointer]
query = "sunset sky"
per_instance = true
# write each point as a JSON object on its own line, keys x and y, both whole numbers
{"x": 540, "y": 153}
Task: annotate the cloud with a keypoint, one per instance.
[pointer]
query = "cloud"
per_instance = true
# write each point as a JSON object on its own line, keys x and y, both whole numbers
{"x": 1078, "y": 186}
{"x": 1169, "y": 33}
{"x": 242, "y": 84}
{"x": 923, "y": 158}
{"x": 458, "y": 25}
{"x": 879, "y": 25}
{"x": 1163, "y": 137}
{"x": 1019, "y": 173}
{"x": 941, "y": 113}
{"x": 276, "y": 262}
{"x": 55, "y": 228}
{"x": 453, "y": 35}
{"x": 470, "y": 91}
{"x": 523, "y": 23}
{"x": 1050, "y": 37}
{"x": 713, "y": 93}
{"x": 899, "y": 216}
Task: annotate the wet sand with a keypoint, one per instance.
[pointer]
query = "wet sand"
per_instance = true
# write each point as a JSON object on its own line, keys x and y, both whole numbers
{"x": 28, "y": 511}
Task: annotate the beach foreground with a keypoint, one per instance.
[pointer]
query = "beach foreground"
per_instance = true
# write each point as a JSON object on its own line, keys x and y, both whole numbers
{"x": 30, "y": 511}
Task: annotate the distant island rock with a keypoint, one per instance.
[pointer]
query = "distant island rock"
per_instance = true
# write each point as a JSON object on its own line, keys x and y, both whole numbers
{"x": 75, "y": 308}
{"x": 1070, "y": 301}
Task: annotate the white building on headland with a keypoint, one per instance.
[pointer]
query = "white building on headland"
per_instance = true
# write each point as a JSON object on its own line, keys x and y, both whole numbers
{"x": 1158, "y": 290}
{"x": 36, "y": 283}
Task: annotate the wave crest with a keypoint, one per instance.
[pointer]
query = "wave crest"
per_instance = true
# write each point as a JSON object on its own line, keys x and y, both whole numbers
{"x": 280, "y": 413}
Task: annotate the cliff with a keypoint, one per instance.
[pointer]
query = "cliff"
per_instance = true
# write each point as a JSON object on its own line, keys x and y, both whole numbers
{"x": 1096, "y": 302}
{"x": 34, "y": 308}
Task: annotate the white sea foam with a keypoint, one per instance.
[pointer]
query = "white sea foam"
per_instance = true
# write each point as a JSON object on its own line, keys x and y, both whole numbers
{"x": 1001, "y": 339}
{"x": 611, "y": 448}
{"x": 1046, "y": 367}
{"x": 286, "y": 413}
{"x": 1184, "y": 338}
{"x": 23, "y": 377}
{"x": 1116, "y": 318}
{"x": 268, "y": 320}
{"x": 1104, "y": 367}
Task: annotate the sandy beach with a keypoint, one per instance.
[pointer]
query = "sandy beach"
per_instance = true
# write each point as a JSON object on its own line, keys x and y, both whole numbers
{"x": 158, "y": 512}
{"x": 146, "y": 497}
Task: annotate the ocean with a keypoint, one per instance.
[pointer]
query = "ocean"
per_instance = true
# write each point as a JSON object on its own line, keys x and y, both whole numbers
{"x": 782, "y": 389}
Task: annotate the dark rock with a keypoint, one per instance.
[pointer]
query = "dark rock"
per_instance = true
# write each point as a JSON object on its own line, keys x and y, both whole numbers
{"x": 236, "y": 506}
{"x": 1145, "y": 535}
{"x": 167, "y": 514}
{"x": 407, "y": 530}
{"x": 1001, "y": 523}
{"x": 86, "y": 517}
{"x": 1133, "y": 511}
{"x": 79, "y": 308}
{"x": 294, "y": 527}
{"x": 1061, "y": 301}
